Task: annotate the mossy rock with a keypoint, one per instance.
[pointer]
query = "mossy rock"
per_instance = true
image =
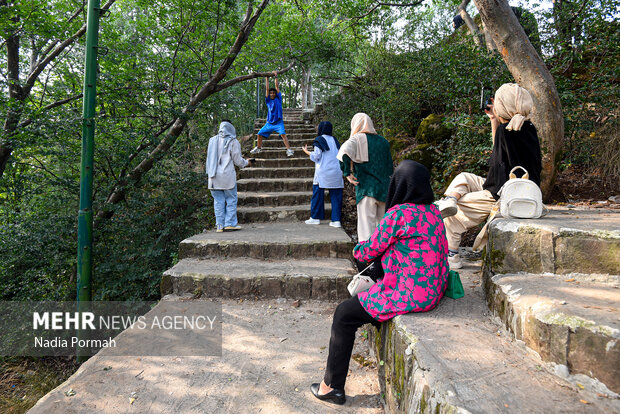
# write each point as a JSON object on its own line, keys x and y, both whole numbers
{"x": 432, "y": 130}
{"x": 424, "y": 154}
{"x": 397, "y": 144}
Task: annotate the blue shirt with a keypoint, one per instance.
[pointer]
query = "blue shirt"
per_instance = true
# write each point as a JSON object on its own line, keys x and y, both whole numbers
{"x": 274, "y": 108}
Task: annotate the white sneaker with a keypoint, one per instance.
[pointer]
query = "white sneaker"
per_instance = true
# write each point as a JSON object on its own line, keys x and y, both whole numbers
{"x": 232, "y": 228}
{"x": 255, "y": 150}
{"x": 219, "y": 229}
{"x": 447, "y": 207}
{"x": 455, "y": 262}
{"x": 312, "y": 221}
{"x": 335, "y": 224}
{"x": 289, "y": 152}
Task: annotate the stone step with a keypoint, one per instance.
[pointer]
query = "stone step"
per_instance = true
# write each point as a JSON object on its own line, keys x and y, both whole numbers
{"x": 288, "y": 117}
{"x": 564, "y": 241}
{"x": 276, "y": 240}
{"x": 299, "y": 212}
{"x": 296, "y": 144}
{"x": 282, "y": 162}
{"x": 274, "y": 184}
{"x": 292, "y": 133}
{"x": 271, "y": 199}
{"x": 297, "y": 172}
{"x": 570, "y": 320}
{"x": 455, "y": 358}
{"x": 309, "y": 278}
{"x": 275, "y": 153}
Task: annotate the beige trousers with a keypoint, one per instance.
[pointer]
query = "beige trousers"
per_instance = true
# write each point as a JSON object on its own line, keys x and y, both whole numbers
{"x": 474, "y": 206}
{"x": 369, "y": 214}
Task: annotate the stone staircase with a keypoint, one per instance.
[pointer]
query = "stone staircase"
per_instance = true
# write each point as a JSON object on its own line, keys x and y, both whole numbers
{"x": 274, "y": 256}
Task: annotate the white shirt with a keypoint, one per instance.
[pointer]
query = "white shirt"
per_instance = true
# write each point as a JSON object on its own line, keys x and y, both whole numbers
{"x": 327, "y": 173}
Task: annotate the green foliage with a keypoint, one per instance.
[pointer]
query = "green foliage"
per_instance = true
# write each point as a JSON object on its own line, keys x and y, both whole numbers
{"x": 399, "y": 89}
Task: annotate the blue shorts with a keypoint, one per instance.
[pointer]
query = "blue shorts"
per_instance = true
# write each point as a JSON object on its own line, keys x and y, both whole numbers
{"x": 270, "y": 128}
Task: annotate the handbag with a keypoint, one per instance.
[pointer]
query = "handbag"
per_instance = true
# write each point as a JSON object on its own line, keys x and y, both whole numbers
{"x": 374, "y": 269}
{"x": 520, "y": 197}
{"x": 360, "y": 283}
{"x": 455, "y": 287}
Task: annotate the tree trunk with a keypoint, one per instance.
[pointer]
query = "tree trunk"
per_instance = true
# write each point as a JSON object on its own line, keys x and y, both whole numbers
{"x": 310, "y": 94}
{"x": 529, "y": 71}
{"x": 304, "y": 90}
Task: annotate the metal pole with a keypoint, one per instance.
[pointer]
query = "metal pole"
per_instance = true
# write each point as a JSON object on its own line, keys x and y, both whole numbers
{"x": 257, "y": 99}
{"x": 85, "y": 215}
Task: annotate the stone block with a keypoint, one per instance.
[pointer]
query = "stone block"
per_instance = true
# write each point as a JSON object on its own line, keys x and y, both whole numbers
{"x": 323, "y": 288}
{"x": 596, "y": 355}
{"x": 298, "y": 287}
{"x": 165, "y": 286}
{"x": 271, "y": 287}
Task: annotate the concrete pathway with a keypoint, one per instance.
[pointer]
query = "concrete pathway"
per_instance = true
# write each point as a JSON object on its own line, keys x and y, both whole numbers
{"x": 271, "y": 354}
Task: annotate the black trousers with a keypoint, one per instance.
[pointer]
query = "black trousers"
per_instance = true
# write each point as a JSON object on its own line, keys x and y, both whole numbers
{"x": 349, "y": 316}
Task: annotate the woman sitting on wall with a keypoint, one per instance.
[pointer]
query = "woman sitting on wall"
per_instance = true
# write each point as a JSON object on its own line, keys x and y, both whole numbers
{"x": 411, "y": 241}
{"x": 469, "y": 199}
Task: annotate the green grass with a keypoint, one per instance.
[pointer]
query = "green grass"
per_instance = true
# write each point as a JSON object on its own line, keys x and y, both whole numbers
{"x": 23, "y": 381}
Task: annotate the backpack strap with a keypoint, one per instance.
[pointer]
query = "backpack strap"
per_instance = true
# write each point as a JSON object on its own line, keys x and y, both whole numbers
{"x": 512, "y": 175}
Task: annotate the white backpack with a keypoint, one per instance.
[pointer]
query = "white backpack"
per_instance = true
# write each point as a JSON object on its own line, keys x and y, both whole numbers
{"x": 520, "y": 197}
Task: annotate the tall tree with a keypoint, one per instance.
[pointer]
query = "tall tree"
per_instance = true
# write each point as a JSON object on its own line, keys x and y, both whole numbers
{"x": 529, "y": 70}
{"x": 176, "y": 126}
{"x": 43, "y": 53}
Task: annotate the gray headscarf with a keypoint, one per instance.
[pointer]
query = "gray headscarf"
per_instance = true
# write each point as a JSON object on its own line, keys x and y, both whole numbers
{"x": 218, "y": 145}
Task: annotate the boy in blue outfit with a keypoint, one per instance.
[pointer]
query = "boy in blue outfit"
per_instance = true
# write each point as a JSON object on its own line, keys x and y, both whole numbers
{"x": 275, "y": 123}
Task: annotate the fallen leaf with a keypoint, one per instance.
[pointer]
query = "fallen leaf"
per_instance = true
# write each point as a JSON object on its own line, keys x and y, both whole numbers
{"x": 283, "y": 339}
{"x": 70, "y": 392}
{"x": 296, "y": 303}
{"x": 506, "y": 405}
{"x": 570, "y": 280}
{"x": 107, "y": 368}
{"x": 131, "y": 400}
{"x": 381, "y": 362}
{"x": 580, "y": 386}
{"x": 584, "y": 401}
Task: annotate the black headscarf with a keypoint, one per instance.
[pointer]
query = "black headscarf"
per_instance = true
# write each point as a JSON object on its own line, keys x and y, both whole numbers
{"x": 411, "y": 183}
{"x": 512, "y": 148}
{"x": 325, "y": 128}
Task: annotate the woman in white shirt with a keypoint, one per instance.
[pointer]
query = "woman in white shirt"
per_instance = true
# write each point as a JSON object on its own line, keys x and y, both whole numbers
{"x": 327, "y": 175}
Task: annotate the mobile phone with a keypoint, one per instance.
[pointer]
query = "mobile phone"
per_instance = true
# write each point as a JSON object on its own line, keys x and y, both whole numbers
{"x": 485, "y": 98}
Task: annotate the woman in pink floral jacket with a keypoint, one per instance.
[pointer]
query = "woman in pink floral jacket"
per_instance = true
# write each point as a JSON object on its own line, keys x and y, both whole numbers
{"x": 411, "y": 241}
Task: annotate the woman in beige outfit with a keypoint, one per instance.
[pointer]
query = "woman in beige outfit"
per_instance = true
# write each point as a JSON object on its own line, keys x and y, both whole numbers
{"x": 469, "y": 199}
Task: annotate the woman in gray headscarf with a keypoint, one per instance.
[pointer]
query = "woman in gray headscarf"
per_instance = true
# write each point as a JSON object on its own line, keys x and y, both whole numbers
{"x": 223, "y": 153}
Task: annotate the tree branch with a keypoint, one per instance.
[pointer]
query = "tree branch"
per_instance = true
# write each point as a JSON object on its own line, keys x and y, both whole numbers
{"x": 32, "y": 77}
{"x": 252, "y": 75}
